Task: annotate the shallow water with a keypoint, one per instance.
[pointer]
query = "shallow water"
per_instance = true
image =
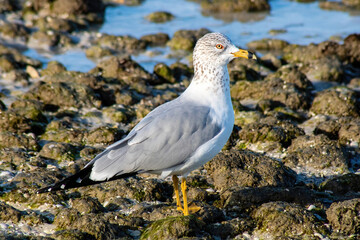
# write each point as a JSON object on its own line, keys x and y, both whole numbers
{"x": 304, "y": 23}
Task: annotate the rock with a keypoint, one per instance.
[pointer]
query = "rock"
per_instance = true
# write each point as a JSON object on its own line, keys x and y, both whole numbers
{"x": 279, "y": 219}
{"x": 181, "y": 71}
{"x": 157, "y": 39}
{"x": 274, "y": 89}
{"x": 271, "y": 61}
{"x": 56, "y": 24}
{"x": 344, "y": 216}
{"x": 281, "y": 132}
{"x": 160, "y": 17}
{"x": 58, "y": 151}
{"x": 7, "y": 6}
{"x": 186, "y": 39}
{"x": 13, "y": 140}
{"x": 229, "y": 6}
{"x": 248, "y": 169}
{"x": 344, "y": 102}
{"x": 173, "y": 228}
{"x": 14, "y": 122}
{"x": 316, "y": 153}
{"x": 64, "y": 95}
{"x": 121, "y": 44}
{"x": 103, "y": 135}
{"x": 8, "y": 213}
{"x": 126, "y": 70}
{"x": 97, "y": 52}
{"x": 268, "y": 44}
{"x": 14, "y": 30}
{"x": 11, "y": 59}
{"x": 72, "y": 234}
{"x": 325, "y": 69}
{"x": 87, "y": 205}
{"x": 350, "y": 131}
{"x": 13, "y": 159}
{"x": 231, "y": 228}
{"x": 164, "y": 73}
{"x": 243, "y": 199}
{"x": 342, "y": 184}
{"x": 52, "y": 68}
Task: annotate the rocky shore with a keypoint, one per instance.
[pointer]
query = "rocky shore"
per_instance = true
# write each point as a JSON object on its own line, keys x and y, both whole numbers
{"x": 291, "y": 169}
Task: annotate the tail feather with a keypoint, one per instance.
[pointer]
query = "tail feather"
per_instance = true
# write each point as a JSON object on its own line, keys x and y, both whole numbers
{"x": 80, "y": 179}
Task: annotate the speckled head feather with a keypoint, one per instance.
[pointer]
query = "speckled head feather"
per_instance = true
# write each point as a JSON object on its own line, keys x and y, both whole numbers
{"x": 211, "y": 55}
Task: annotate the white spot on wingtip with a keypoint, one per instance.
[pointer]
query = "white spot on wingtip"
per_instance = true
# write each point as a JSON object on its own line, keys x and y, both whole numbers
{"x": 49, "y": 189}
{"x": 78, "y": 180}
{"x": 62, "y": 186}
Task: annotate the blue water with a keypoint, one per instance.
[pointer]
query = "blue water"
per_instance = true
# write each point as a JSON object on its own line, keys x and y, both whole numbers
{"x": 304, "y": 23}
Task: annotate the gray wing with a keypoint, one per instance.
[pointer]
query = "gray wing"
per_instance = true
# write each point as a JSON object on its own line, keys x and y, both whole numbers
{"x": 165, "y": 138}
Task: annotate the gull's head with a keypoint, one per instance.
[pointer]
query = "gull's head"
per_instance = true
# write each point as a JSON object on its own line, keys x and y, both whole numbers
{"x": 216, "y": 48}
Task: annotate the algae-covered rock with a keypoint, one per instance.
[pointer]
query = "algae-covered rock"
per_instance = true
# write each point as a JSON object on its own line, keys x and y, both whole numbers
{"x": 8, "y": 213}
{"x": 87, "y": 205}
{"x": 164, "y": 72}
{"x": 157, "y": 39}
{"x": 121, "y": 44}
{"x": 342, "y": 184}
{"x": 160, "y": 17}
{"x": 339, "y": 102}
{"x": 186, "y": 39}
{"x": 267, "y": 44}
{"x": 228, "y": 6}
{"x": 13, "y": 140}
{"x": 58, "y": 151}
{"x": 72, "y": 234}
{"x": 49, "y": 39}
{"x": 56, "y": 24}
{"x": 281, "y": 219}
{"x": 13, "y": 30}
{"x": 52, "y": 68}
{"x": 344, "y": 216}
{"x": 64, "y": 95}
{"x": 14, "y": 122}
{"x": 103, "y": 135}
{"x": 173, "y": 228}
{"x": 291, "y": 74}
{"x": 315, "y": 153}
{"x": 244, "y": 199}
{"x": 97, "y": 52}
{"x": 248, "y": 169}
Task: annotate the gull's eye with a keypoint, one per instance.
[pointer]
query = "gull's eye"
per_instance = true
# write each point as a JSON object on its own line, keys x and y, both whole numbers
{"x": 219, "y": 46}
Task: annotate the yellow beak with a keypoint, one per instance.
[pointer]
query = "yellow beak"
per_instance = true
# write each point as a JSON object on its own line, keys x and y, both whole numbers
{"x": 244, "y": 54}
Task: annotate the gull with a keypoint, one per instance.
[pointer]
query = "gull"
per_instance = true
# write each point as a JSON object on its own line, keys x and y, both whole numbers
{"x": 178, "y": 136}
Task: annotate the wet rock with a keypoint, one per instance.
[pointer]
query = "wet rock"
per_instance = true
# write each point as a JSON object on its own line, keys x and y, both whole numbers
{"x": 344, "y": 216}
{"x": 267, "y": 44}
{"x": 164, "y": 73}
{"x": 52, "y": 68}
{"x": 274, "y": 89}
{"x": 90, "y": 11}
{"x": 231, "y": 228}
{"x": 181, "y": 71}
{"x": 87, "y": 205}
{"x": 350, "y": 131}
{"x": 7, "y": 6}
{"x": 271, "y": 61}
{"x": 342, "y": 184}
{"x": 248, "y": 169}
{"x": 8, "y": 213}
{"x": 316, "y": 153}
{"x": 173, "y": 227}
{"x": 118, "y": 114}
{"x": 186, "y": 39}
{"x": 344, "y": 5}
{"x": 13, "y": 140}
{"x": 64, "y": 131}
{"x": 29, "y": 109}
{"x": 64, "y": 95}
{"x": 325, "y": 69}
{"x": 14, "y": 30}
{"x": 49, "y": 40}
{"x": 13, "y": 122}
{"x": 243, "y": 199}
{"x": 56, "y": 24}
{"x": 103, "y": 135}
{"x": 72, "y": 234}
{"x": 291, "y": 74}
{"x": 337, "y": 101}
{"x": 13, "y": 159}
{"x": 160, "y": 17}
{"x": 279, "y": 219}
{"x": 126, "y": 70}
{"x": 157, "y": 39}
{"x": 229, "y": 6}
{"x": 93, "y": 224}
{"x": 133, "y": 188}
{"x": 330, "y": 128}
{"x": 58, "y": 151}
{"x": 281, "y": 132}
{"x": 122, "y": 44}
{"x": 97, "y": 52}
{"x": 11, "y": 59}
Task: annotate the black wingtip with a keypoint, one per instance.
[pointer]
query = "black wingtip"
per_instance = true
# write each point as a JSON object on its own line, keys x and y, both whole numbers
{"x": 80, "y": 179}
